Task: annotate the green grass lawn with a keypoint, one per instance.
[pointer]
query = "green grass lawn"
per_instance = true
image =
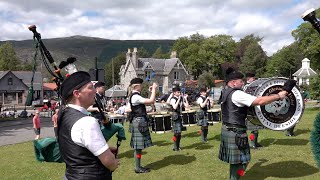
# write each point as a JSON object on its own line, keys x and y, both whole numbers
{"x": 281, "y": 157}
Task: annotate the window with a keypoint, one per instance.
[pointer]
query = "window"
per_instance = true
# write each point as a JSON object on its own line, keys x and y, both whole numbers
{"x": 147, "y": 74}
{"x": 10, "y": 81}
{"x": 160, "y": 89}
{"x": 176, "y": 75}
{"x": 304, "y": 81}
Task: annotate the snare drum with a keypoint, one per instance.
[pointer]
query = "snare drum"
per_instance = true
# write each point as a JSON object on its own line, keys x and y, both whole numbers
{"x": 278, "y": 115}
{"x": 189, "y": 117}
{"x": 116, "y": 118}
{"x": 214, "y": 115}
{"x": 160, "y": 121}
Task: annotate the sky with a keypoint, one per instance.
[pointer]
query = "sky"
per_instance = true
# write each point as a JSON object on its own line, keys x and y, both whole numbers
{"x": 273, "y": 20}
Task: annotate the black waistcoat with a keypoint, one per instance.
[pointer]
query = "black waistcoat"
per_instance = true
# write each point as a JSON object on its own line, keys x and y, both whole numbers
{"x": 205, "y": 108}
{"x": 80, "y": 162}
{"x": 138, "y": 110}
{"x": 231, "y": 113}
{"x": 180, "y": 106}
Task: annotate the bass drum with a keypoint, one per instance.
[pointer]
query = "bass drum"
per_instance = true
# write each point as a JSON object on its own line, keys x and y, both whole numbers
{"x": 278, "y": 115}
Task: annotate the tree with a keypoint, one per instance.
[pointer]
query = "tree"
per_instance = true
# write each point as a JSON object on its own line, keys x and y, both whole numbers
{"x": 285, "y": 61}
{"x": 309, "y": 41}
{"x": 143, "y": 53}
{"x": 206, "y": 79}
{"x": 8, "y": 58}
{"x": 254, "y": 60}
{"x": 158, "y": 54}
{"x": 314, "y": 87}
{"x": 244, "y": 43}
{"x": 118, "y": 61}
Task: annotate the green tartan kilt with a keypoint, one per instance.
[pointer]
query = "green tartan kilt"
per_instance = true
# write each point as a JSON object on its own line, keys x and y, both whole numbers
{"x": 229, "y": 151}
{"x": 177, "y": 126}
{"x": 203, "y": 122}
{"x": 139, "y": 140}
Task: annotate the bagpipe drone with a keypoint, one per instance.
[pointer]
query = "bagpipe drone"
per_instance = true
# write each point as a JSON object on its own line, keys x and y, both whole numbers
{"x": 310, "y": 16}
{"x": 47, "y": 149}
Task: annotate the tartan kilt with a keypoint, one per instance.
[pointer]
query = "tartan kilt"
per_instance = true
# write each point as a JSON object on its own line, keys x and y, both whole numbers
{"x": 139, "y": 140}
{"x": 252, "y": 127}
{"x": 229, "y": 151}
{"x": 177, "y": 126}
{"x": 203, "y": 122}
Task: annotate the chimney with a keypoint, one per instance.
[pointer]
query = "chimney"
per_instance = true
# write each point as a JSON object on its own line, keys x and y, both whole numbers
{"x": 128, "y": 55}
{"x": 135, "y": 57}
{"x": 173, "y": 54}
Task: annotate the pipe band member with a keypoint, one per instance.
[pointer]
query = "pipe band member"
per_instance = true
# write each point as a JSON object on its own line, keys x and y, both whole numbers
{"x": 234, "y": 147}
{"x": 178, "y": 104}
{"x": 250, "y": 77}
{"x": 140, "y": 134}
{"x": 101, "y": 101}
{"x": 202, "y": 114}
{"x": 82, "y": 145}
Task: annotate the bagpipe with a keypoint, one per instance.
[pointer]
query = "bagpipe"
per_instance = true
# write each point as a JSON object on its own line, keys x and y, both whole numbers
{"x": 47, "y": 149}
{"x": 310, "y": 16}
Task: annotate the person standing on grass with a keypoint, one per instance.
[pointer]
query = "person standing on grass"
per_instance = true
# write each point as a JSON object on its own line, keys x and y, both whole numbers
{"x": 82, "y": 145}
{"x": 234, "y": 146}
{"x": 55, "y": 121}
{"x": 36, "y": 125}
{"x": 205, "y": 105}
{"x": 178, "y": 104}
{"x": 140, "y": 135}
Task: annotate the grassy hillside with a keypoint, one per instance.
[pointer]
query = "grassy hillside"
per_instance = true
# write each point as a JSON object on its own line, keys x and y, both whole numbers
{"x": 85, "y": 49}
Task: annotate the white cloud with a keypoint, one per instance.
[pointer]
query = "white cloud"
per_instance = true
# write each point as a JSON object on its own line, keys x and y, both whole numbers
{"x": 145, "y": 19}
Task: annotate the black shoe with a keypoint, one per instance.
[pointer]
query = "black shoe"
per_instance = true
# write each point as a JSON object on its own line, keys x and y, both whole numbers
{"x": 179, "y": 149}
{"x": 253, "y": 147}
{"x": 145, "y": 168}
{"x": 290, "y": 135}
{"x": 142, "y": 170}
{"x": 258, "y": 145}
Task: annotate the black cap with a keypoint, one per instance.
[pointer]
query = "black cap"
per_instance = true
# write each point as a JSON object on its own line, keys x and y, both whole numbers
{"x": 175, "y": 89}
{"x": 136, "y": 81}
{"x": 250, "y": 75}
{"x": 99, "y": 84}
{"x": 73, "y": 82}
{"x": 233, "y": 74}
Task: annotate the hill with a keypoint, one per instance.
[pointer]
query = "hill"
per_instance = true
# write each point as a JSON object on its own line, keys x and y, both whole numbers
{"x": 85, "y": 49}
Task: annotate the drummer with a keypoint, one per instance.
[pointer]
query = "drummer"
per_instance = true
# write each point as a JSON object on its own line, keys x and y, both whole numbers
{"x": 234, "y": 148}
{"x": 178, "y": 104}
{"x": 250, "y": 77}
{"x": 205, "y": 105}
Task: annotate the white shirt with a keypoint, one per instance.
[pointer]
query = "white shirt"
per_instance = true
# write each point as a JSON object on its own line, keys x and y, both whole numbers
{"x": 137, "y": 99}
{"x": 86, "y": 133}
{"x": 240, "y": 98}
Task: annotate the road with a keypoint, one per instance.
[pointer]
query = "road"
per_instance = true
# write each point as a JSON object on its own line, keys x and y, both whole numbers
{"x": 20, "y": 130}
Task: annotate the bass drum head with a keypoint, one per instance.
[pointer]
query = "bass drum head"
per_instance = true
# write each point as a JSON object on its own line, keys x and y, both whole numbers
{"x": 281, "y": 114}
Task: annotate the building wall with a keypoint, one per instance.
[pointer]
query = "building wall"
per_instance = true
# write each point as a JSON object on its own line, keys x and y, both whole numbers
{"x": 127, "y": 76}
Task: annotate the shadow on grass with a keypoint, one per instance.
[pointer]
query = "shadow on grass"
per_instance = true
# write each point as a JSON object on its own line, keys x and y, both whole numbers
{"x": 216, "y": 137}
{"x": 285, "y": 169}
{"x": 173, "y": 159}
{"x": 191, "y": 134}
{"x": 129, "y": 154}
{"x": 292, "y": 142}
{"x": 161, "y": 143}
{"x": 199, "y": 146}
{"x": 301, "y": 131}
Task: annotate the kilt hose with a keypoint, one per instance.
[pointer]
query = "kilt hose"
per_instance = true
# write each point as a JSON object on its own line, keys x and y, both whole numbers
{"x": 229, "y": 151}
{"x": 139, "y": 140}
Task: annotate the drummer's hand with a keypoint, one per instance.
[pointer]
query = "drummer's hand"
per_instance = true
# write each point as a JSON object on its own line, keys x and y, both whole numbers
{"x": 282, "y": 94}
{"x": 113, "y": 150}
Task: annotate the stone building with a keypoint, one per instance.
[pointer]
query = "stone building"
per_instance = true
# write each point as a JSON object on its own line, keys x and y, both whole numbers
{"x": 165, "y": 72}
{"x": 14, "y": 86}
{"x": 303, "y": 75}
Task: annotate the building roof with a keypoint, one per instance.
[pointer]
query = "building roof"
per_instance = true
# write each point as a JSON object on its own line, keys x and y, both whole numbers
{"x": 26, "y": 77}
{"x": 115, "y": 91}
{"x": 49, "y": 86}
{"x": 158, "y": 65}
{"x": 305, "y": 70}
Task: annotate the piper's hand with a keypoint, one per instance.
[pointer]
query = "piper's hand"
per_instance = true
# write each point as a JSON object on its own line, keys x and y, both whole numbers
{"x": 154, "y": 85}
{"x": 289, "y": 84}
